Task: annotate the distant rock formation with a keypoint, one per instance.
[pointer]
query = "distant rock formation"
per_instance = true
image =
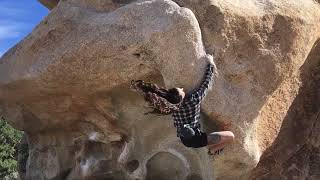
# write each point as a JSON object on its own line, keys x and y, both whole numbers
{"x": 49, "y": 3}
{"x": 66, "y": 85}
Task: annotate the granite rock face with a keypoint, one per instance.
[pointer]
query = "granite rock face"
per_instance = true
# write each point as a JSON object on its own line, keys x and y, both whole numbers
{"x": 49, "y": 3}
{"x": 295, "y": 153}
{"x": 66, "y": 86}
{"x": 260, "y": 49}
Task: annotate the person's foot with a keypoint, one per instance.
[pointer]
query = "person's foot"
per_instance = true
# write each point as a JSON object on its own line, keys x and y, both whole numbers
{"x": 217, "y": 147}
{"x": 218, "y": 140}
{"x": 217, "y": 152}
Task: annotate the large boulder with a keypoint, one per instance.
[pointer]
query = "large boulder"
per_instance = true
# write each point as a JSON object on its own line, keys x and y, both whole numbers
{"x": 66, "y": 85}
{"x": 260, "y": 48}
{"x": 295, "y": 153}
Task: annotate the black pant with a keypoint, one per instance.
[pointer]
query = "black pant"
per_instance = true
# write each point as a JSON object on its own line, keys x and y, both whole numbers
{"x": 194, "y": 139}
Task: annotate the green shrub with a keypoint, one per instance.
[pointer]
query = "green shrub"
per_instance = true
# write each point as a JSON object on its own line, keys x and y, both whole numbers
{"x": 9, "y": 141}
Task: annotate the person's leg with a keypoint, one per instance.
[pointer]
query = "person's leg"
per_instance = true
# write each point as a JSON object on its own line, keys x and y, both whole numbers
{"x": 218, "y": 140}
{"x": 193, "y": 138}
{"x": 215, "y": 141}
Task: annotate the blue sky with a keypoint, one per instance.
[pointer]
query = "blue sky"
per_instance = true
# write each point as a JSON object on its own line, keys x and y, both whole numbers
{"x": 17, "y": 19}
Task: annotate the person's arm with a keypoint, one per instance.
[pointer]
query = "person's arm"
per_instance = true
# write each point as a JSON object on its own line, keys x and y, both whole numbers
{"x": 200, "y": 92}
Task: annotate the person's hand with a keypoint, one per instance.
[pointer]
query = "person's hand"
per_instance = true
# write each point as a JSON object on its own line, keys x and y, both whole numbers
{"x": 209, "y": 59}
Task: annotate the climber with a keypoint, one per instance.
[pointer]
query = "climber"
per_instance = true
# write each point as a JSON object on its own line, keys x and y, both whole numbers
{"x": 185, "y": 110}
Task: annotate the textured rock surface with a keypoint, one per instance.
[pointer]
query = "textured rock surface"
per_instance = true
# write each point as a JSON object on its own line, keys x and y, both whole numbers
{"x": 49, "y": 3}
{"x": 66, "y": 85}
{"x": 295, "y": 154}
{"x": 260, "y": 47}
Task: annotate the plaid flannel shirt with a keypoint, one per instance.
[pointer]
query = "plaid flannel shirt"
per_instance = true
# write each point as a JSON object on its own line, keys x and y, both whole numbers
{"x": 189, "y": 110}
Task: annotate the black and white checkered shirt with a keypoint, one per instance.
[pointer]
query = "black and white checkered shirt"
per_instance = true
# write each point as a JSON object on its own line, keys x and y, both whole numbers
{"x": 189, "y": 110}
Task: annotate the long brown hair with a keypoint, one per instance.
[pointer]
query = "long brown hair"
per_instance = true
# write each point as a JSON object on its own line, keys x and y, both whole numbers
{"x": 163, "y": 101}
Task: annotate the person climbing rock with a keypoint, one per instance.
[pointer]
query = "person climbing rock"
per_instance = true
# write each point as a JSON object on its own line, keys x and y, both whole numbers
{"x": 185, "y": 110}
